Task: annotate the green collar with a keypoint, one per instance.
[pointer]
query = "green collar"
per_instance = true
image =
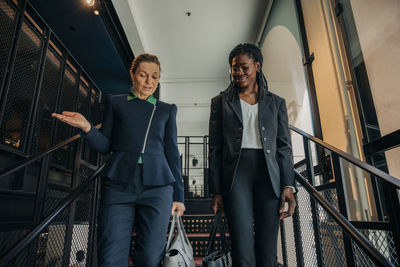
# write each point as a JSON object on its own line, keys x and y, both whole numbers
{"x": 131, "y": 95}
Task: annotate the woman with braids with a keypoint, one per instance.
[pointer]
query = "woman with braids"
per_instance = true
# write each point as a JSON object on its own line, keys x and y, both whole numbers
{"x": 141, "y": 184}
{"x": 251, "y": 173}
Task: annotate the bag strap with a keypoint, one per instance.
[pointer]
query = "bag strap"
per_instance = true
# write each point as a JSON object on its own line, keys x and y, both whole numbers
{"x": 171, "y": 231}
{"x": 218, "y": 224}
{"x": 181, "y": 229}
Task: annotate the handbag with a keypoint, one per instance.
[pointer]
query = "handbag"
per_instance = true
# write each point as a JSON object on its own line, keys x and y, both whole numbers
{"x": 178, "y": 252}
{"x": 221, "y": 257}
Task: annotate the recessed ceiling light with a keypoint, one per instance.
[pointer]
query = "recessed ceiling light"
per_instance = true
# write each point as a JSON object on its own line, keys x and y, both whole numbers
{"x": 96, "y": 12}
{"x": 90, "y": 2}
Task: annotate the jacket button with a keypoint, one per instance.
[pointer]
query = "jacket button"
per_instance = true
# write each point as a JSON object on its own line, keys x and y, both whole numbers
{"x": 268, "y": 151}
{"x": 263, "y": 128}
{"x": 265, "y": 139}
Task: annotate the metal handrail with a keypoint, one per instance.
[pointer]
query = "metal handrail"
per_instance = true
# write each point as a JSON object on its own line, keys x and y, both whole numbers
{"x": 38, "y": 229}
{"x": 347, "y": 227}
{"x": 27, "y": 161}
{"x": 365, "y": 166}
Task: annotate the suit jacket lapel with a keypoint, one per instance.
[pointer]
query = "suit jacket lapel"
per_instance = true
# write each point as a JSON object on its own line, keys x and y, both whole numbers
{"x": 264, "y": 106}
{"x": 234, "y": 103}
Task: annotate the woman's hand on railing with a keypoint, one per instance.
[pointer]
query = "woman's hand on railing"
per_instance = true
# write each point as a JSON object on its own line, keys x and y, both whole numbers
{"x": 74, "y": 119}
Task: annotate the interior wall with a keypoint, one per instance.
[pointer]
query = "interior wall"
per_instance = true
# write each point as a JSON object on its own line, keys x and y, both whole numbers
{"x": 378, "y": 29}
{"x": 284, "y": 70}
{"x": 285, "y": 73}
{"x": 193, "y": 99}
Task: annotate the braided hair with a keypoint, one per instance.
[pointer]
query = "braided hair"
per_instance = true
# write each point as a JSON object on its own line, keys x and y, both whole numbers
{"x": 253, "y": 52}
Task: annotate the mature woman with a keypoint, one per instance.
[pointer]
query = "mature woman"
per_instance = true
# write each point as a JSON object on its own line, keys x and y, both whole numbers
{"x": 142, "y": 184}
{"x": 250, "y": 160}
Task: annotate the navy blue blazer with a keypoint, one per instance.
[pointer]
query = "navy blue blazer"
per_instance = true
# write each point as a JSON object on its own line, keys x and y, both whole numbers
{"x": 123, "y": 133}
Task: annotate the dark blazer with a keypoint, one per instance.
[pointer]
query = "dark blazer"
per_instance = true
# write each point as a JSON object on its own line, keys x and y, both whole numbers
{"x": 123, "y": 133}
{"x": 225, "y": 133}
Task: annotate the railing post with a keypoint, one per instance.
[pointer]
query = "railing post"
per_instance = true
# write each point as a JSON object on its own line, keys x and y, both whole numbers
{"x": 338, "y": 173}
{"x": 71, "y": 218}
{"x": 283, "y": 241}
{"x": 92, "y": 226}
{"x": 205, "y": 168}
{"x": 298, "y": 242}
{"x": 393, "y": 208}
{"x": 314, "y": 211}
{"x": 39, "y": 203}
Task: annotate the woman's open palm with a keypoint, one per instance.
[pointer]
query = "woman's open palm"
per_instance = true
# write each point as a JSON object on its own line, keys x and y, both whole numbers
{"x": 74, "y": 119}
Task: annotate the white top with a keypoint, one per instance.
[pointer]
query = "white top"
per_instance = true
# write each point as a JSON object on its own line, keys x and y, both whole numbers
{"x": 251, "y": 131}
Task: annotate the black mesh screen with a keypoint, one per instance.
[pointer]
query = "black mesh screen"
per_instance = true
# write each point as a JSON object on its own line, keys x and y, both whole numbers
{"x": 19, "y": 100}
{"x": 331, "y": 236}
{"x": 9, "y": 239}
{"x": 82, "y": 104}
{"x": 64, "y": 131}
{"x": 47, "y": 102}
{"x": 7, "y": 24}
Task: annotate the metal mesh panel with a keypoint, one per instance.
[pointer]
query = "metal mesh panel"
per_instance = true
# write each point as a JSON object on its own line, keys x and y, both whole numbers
{"x": 381, "y": 240}
{"x": 306, "y": 227}
{"x": 84, "y": 211}
{"x": 289, "y": 239}
{"x": 23, "y": 258}
{"x": 52, "y": 241}
{"x": 18, "y": 106}
{"x": 53, "y": 198}
{"x": 64, "y": 131}
{"x": 82, "y": 104}
{"x": 7, "y": 25}
{"x": 331, "y": 240}
{"x": 9, "y": 239}
{"x": 332, "y": 197}
{"x": 361, "y": 259}
{"x": 47, "y": 102}
{"x": 85, "y": 173}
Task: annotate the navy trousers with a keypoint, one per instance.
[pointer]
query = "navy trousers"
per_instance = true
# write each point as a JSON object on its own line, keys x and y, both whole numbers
{"x": 252, "y": 210}
{"x": 125, "y": 207}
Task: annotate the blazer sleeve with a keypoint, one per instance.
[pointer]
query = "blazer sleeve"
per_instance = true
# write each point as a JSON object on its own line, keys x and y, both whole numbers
{"x": 172, "y": 154}
{"x": 284, "y": 148}
{"x": 100, "y": 140}
{"x": 215, "y": 146}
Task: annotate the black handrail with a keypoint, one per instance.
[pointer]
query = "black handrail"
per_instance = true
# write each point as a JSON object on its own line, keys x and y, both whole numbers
{"x": 14, "y": 252}
{"x": 365, "y": 166}
{"x": 27, "y": 161}
{"x": 348, "y": 228}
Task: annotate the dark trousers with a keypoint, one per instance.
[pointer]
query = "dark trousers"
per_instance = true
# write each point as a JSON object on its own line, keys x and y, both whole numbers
{"x": 252, "y": 200}
{"x": 125, "y": 206}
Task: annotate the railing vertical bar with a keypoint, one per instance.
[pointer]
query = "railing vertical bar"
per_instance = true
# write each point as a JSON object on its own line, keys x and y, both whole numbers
{"x": 393, "y": 208}
{"x": 39, "y": 201}
{"x": 298, "y": 242}
{"x": 92, "y": 227}
{"x": 283, "y": 243}
{"x": 338, "y": 173}
{"x": 71, "y": 217}
{"x": 314, "y": 210}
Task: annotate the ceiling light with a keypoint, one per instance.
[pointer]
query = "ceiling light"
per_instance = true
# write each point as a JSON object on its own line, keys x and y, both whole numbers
{"x": 96, "y": 12}
{"x": 90, "y": 2}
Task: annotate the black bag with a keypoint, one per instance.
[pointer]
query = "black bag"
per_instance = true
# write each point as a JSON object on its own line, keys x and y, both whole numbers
{"x": 218, "y": 258}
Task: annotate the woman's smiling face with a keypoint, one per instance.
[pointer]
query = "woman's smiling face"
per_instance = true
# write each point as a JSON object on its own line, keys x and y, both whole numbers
{"x": 244, "y": 70}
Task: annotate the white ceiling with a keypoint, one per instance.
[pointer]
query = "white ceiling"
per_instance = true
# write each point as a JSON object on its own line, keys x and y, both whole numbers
{"x": 195, "y": 47}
